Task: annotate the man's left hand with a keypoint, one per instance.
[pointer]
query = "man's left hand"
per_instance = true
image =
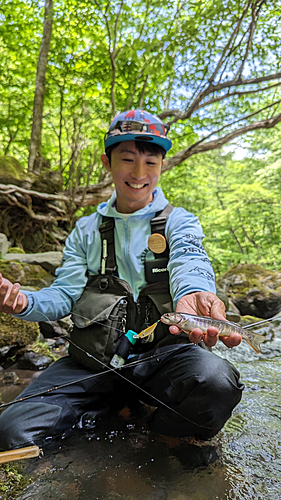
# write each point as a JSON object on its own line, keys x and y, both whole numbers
{"x": 205, "y": 304}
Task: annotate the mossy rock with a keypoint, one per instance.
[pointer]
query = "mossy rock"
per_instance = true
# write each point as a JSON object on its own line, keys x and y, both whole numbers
{"x": 250, "y": 319}
{"x": 10, "y": 170}
{"x": 254, "y": 290}
{"x": 15, "y": 250}
{"x": 222, "y": 296}
{"x": 48, "y": 181}
{"x": 13, "y": 480}
{"x": 17, "y": 332}
{"x": 26, "y": 274}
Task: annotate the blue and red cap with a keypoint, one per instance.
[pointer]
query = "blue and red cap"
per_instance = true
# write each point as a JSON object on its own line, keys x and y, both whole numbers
{"x": 138, "y": 125}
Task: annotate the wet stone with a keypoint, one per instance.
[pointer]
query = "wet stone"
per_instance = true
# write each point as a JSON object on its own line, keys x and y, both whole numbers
{"x": 34, "y": 361}
{"x": 10, "y": 378}
{"x": 51, "y": 329}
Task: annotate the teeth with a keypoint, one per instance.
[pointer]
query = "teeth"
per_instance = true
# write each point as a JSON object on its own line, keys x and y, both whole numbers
{"x": 136, "y": 186}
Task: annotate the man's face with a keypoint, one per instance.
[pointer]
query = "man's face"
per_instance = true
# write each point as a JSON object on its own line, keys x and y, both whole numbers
{"x": 134, "y": 174}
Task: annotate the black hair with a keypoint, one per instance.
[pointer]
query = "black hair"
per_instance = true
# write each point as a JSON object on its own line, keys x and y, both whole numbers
{"x": 142, "y": 147}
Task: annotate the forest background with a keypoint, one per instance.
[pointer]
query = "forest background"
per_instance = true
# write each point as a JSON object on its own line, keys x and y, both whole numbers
{"x": 209, "y": 69}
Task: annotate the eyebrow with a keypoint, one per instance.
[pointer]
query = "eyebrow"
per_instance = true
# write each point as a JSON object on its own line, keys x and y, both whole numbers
{"x": 134, "y": 152}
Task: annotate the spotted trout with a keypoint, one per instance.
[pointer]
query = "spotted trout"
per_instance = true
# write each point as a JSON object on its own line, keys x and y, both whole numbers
{"x": 188, "y": 322}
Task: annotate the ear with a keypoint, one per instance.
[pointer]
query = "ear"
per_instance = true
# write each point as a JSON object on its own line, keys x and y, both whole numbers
{"x": 105, "y": 161}
{"x": 163, "y": 163}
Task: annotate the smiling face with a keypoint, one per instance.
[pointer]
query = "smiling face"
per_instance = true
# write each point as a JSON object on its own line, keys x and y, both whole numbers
{"x": 134, "y": 174}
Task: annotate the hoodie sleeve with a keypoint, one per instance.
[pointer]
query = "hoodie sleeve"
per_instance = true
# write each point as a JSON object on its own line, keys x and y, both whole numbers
{"x": 57, "y": 300}
{"x": 189, "y": 266}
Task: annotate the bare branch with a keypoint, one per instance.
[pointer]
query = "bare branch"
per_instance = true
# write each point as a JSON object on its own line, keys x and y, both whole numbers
{"x": 229, "y": 43}
{"x": 236, "y": 93}
{"x": 134, "y": 88}
{"x": 201, "y": 147}
{"x": 252, "y": 27}
{"x": 116, "y": 25}
{"x": 179, "y": 115}
{"x": 143, "y": 92}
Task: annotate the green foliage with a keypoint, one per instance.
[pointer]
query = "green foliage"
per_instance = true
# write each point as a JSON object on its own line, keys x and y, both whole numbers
{"x": 12, "y": 481}
{"x": 108, "y": 56}
{"x": 238, "y": 204}
{"x": 150, "y": 53}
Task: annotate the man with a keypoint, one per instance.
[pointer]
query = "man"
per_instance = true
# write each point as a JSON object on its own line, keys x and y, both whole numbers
{"x": 107, "y": 281}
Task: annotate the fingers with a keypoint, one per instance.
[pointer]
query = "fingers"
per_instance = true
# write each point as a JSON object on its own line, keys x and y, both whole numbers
{"x": 209, "y": 339}
{"x": 174, "y": 330}
{"x": 232, "y": 341}
{"x": 12, "y": 301}
{"x": 8, "y": 293}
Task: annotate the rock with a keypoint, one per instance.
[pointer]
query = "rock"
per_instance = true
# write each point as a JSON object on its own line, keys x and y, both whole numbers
{"x": 28, "y": 275}
{"x": 59, "y": 343}
{"x": 254, "y": 291}
{"x": 222, "y": 296}
{"x": 4, "y": 351}
{"x": 16, "y": 332}
{"x": 233, "y": 317}
{"x": 11, "y": 171}
{"x": 34, "y": 361}
{"x": 10, "y": 378}
{"x": 51, "y": 329}
{"x": 48, "y": 181}
{"x": 47, "y": 260}
{"x": 66, "y": 322}
{"x": 16, "y": 250}
{"x": 4, "y": 245}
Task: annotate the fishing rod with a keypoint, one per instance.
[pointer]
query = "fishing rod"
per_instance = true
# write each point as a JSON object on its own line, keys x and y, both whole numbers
{"x": 109, "y": 369}
{"x": 82, "y": 379}
{"x": 262, "y": 321}
{"x": 128, "y": 365}
{"x": 35, "y": 451}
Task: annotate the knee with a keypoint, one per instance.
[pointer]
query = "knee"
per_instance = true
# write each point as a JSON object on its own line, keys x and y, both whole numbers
{"x": 26, "y": 424}
{"x": 206, "y": 399}
{"x": 10, "y": 430}
{"x": 220, "y": 383}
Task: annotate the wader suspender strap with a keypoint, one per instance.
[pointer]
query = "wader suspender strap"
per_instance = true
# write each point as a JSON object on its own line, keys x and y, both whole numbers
{"x": 108, "y": 257}
{"x": 158, "y": 224}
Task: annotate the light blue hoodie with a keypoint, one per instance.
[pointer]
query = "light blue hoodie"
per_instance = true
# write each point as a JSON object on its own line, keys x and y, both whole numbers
{"x": 189, "y": 267}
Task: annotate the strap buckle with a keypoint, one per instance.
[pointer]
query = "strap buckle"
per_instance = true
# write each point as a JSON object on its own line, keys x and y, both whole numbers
{"x": 106, "y": 226}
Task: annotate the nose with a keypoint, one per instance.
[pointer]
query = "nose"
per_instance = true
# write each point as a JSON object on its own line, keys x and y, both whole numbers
{"x": 139, "y": 171}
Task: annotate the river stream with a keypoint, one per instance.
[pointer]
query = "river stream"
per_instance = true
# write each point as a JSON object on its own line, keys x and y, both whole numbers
{"x": 120, "y": 460}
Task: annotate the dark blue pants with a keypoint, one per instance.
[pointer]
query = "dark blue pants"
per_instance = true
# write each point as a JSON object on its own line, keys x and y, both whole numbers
{"x": 201, "y": 387}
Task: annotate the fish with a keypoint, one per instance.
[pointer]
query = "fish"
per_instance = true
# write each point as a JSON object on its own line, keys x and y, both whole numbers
{"x": 188, "y": 322}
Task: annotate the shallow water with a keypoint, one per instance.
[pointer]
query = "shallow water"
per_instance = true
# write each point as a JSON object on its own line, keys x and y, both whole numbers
{"x": 129, "y": 463}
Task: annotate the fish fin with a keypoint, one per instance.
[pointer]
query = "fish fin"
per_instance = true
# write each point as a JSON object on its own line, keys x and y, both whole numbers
{"x": 256, "y": 340}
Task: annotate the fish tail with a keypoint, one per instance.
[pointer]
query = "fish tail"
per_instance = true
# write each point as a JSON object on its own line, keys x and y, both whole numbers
{"x": 254, "y": 340}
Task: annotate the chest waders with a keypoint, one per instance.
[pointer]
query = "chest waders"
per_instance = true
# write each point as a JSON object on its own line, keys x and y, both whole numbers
{"x": 107, "y": 310}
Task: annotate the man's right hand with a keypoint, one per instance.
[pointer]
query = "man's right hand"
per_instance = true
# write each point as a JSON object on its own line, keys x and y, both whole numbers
{"x": 12, "y": 301}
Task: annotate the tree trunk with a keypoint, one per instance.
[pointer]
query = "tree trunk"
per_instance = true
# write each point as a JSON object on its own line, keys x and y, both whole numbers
{"x": 35, "y": 140}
